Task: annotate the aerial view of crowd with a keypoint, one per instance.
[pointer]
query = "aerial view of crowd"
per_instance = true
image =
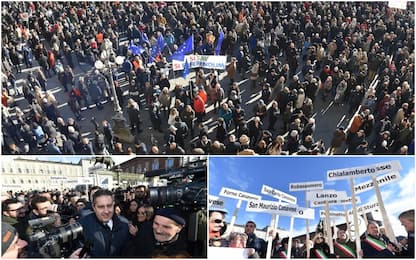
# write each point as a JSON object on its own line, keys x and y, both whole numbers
{"x": 293, "y": 70}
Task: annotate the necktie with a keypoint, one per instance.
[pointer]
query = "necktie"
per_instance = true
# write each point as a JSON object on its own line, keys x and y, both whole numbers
{"x": 106, "y": 226}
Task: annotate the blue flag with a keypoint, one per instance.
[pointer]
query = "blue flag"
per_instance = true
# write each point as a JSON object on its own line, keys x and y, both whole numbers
{"x": 186, "y": 48}
{"x": 220, "y": 39}
{"x": 157, "y": 48}
{"x": 145, "y": 39}
{"x": 185, "y": 69}
{"x": 135, "y": 49}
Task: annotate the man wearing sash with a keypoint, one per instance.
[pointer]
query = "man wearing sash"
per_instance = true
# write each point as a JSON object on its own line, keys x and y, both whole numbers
{"x": 282, "y": 251}
{"x": 375, "y": 245}
{"x": 343, "y": 246}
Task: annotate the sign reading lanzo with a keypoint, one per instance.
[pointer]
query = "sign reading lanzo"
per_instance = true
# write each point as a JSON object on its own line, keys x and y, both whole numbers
{"x": 363, "y": 171}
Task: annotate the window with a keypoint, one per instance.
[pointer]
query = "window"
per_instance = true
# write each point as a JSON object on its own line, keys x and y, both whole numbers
{"x": 22, "y": 181}
{"x": 146, "y": 166}
{"x": 29, "y": 181}
{"x": 19, "y": 170}
{"x": 169, "y": 163}
{"x": 155, "y": 164}
{"x": 27, "y": 171}
{"x": 13, "y": 181}
{"x": 36, "y": 181}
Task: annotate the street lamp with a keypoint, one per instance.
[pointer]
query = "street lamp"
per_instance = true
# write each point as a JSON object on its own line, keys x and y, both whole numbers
{"x": 106, "y": 61}
{"x": 118, "y": 170}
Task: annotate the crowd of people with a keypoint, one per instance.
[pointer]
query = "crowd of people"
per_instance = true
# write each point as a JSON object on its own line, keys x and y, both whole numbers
{"x": 374, "y": 243}
{"x": 120, "y": 223}
{"x": 355, "y": 54}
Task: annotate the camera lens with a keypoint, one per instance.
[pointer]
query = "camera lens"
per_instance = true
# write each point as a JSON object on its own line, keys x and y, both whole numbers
{"x": 69, "y": 232}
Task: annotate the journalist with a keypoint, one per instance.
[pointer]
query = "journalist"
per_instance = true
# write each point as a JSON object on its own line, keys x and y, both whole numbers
{"x": 104, "y": 231}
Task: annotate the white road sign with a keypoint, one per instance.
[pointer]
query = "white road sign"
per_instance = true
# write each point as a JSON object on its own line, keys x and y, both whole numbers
{"x": 278, "y": 194}
{"x": 324, "y": 195}
{"x": 363, "y": 171}
{"x": 239, "y": 195}
{"x": 366, "y": 208}
{"x": 281, "y": 209}
{"x": 214, "y": 201}
{"x": 381, "y": 180}
{"x": 346, "y": 201}
{"x": 335, "y": 214}
{"x": 299, "y": 186}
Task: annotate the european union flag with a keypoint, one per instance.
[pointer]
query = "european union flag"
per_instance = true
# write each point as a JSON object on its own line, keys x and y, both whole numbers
{"x": 135, "y": 49}
{"x": 157, "y": 48}
{"x": 185, "y": 69}
{"x": 186, "y": 48}
{"x": 220, "y": 39}
{"x": 145, "y": 39}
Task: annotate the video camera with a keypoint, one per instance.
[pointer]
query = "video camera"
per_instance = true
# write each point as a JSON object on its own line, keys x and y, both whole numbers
{"x": 53, "y": 243}
{"x": 187, "y": 188}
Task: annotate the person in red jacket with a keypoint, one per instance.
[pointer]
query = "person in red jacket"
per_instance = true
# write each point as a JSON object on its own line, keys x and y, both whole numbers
{"x": 199, "y": 107}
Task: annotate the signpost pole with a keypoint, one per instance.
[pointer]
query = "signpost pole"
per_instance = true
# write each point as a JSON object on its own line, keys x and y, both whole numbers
{"x": 234, "y": 217}
{"x": 289, "y": 246}
{"x": 270, "y": 238}
{"x": 356, "y": 225}
{"x": 308, "y": 246}
{"x": 386, "y": 221}
{"x": 328, "y": 227}
{"x": 347, "y": 221}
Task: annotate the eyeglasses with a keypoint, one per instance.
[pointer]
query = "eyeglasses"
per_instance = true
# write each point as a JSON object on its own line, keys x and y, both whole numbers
{"x": 218, "y": 221}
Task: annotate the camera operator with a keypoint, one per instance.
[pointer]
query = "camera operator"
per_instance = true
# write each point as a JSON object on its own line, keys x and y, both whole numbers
{"x": 13, "y": 213}
{"x": 163, "y": 239}
{"x": 104, "y": 230}
{"x": 141, "y": 195}
{"x": 11, "y": 244}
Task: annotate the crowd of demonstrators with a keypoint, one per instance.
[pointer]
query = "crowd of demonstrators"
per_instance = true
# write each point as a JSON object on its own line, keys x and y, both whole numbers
{"x": 373, "y": 243}
{"x": 295, "y": 53}
{"x": 119, "y": 223}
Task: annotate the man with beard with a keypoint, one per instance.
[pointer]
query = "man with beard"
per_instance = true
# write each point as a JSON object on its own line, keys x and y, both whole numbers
{"x": 13, "y": 213}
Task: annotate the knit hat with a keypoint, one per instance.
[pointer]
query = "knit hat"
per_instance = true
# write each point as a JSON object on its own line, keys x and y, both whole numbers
{"x": 173, "y": 214}
{"x": 7, "y": 236}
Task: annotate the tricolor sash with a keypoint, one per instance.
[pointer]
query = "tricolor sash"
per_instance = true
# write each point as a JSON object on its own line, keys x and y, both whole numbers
{"x": 283, "y": 254}
{"x": 320, "y": 254}
{"x": 345, "y": 249}
{"x": 375, "y": 243}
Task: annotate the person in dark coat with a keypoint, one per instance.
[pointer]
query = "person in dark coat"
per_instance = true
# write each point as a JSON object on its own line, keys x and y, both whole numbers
{"x": 105, "y": 231}
{"x": 134, "y": 116}
{"x": 374, "y": 245}
{"x": 407, "y": 218}
{"x": 320, "y": 248}
{"x": 163, "y": 240}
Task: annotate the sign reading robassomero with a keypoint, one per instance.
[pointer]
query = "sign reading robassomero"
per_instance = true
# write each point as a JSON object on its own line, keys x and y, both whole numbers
{"x": 278, "y": 194}
{"x": 298, "y": 186}
{"x": 381, "y": 180}
{"x": 281, "y": 209}
{"x": 201, "y": 61}
{"x": 239, "y": 195}
{"x": 362, "y": 171}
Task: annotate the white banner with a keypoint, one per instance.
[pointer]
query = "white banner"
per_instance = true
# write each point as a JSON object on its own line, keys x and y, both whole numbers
{"x": 335, "y": 214}
{"x": 239, "y": 195}
{"x": 96, "y": 168}
{"x": 381, "y": 180}
{"x": 346, "y": 201}
{"x": 278, "y": 194}
{"x": 324, "y": 195}
{"x": 201, "y": 61}
{"x": 215, "y": 202}
{"x": 281, "y": 209}
{"x": 366, "y": 208}
{"x": 299, "y": 186}
{"x": 399, "y": 4}
{"x": 363, "y": 171}
{"x": 57, "y": 178}
{"x": 86, "y": 180}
